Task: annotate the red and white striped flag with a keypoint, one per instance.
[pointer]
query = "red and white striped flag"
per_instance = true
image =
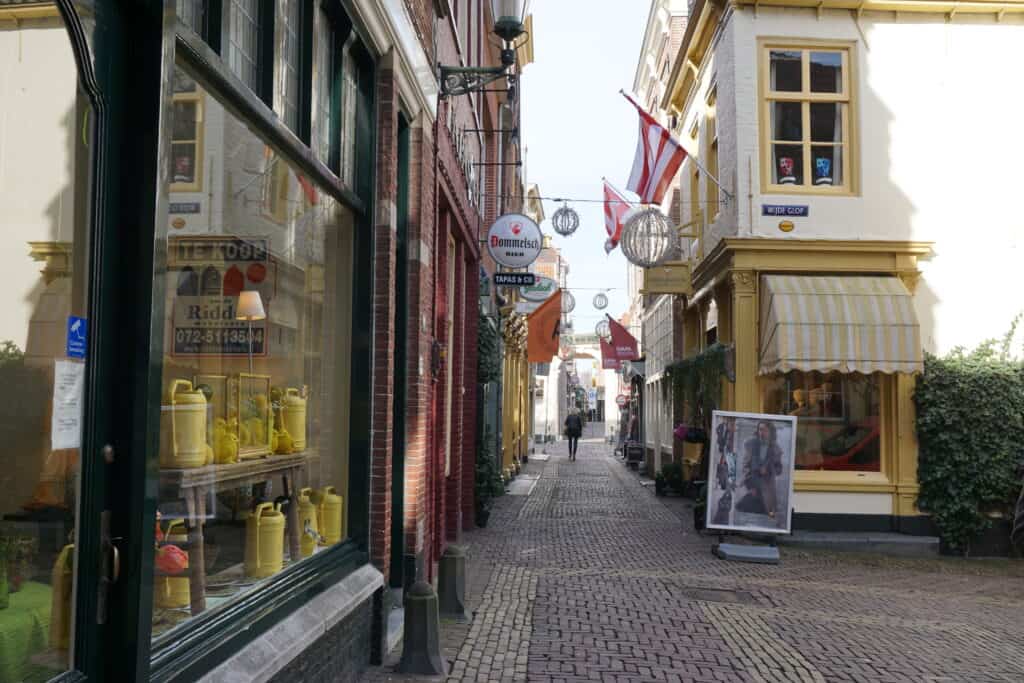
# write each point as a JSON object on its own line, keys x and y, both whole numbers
{"x": 658, "y": 156}
{"x": 615, "y": 209}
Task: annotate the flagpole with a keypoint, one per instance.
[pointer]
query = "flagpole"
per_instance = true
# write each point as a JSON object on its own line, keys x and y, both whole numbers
{"x": 689, "y": 156}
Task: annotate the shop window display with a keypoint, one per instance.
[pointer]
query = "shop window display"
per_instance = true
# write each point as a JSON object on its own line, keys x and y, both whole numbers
{"x": 253, "y": 431}
{"x": 838, "y": 426}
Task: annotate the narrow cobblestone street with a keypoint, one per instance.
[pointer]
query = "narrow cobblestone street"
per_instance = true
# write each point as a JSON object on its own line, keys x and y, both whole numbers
{"x": 591, "y": 577}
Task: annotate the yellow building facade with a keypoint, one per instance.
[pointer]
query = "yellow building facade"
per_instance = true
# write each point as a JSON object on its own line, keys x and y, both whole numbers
{"x": 516, "y": 420}
{"x": 821, "y": 243}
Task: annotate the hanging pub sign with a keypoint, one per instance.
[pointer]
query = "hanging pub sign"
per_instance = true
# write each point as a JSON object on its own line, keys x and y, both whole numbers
{"x": 207, "y": 275}
{"x": 540, "y": 290}
{"x": 514, "y": 240}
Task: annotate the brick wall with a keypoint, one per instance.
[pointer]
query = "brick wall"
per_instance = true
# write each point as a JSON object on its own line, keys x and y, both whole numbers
{"x": 422, "y": 14}
{"x": 471, "y": 293}
{"x": 453, "y": 484}
{"x": 420, "y": 297}
{"x": 340, "y": 655}
{"x": 385, "y": 228}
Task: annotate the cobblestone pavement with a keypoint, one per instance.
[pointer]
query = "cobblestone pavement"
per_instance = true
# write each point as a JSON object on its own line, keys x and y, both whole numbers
{"x": 593, "y": 578}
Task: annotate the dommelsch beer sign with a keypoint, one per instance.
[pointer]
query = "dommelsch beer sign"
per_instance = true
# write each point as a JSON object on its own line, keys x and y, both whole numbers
{"x": 514, "y": 240}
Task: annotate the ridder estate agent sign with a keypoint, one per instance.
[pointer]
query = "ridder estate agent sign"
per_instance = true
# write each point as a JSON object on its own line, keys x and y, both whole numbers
{"x": 514, "y": 240}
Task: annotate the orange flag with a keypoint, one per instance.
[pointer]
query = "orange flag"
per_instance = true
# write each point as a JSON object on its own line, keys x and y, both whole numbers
{"x": 544, "y": 325}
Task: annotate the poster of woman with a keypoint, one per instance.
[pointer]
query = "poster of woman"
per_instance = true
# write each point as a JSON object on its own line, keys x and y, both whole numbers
{"x": 751, "y": 485}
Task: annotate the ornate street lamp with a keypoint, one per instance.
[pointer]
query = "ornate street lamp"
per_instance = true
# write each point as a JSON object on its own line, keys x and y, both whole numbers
{"x": 509, "y": 19}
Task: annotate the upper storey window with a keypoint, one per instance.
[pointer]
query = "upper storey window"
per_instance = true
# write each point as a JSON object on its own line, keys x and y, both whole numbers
{"x": 807, "y": 119}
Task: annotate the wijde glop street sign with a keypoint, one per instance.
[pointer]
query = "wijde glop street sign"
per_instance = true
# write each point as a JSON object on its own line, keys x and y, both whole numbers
{"x": 514, "y": 240}
{"x": 514, "y": 279}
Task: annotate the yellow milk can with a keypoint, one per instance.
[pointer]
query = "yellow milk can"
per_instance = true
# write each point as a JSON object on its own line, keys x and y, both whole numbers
{"x": 293, "y": 414}
{"x": 328, "y": 510}
{"x": 173, "y": 591}
{"x": 183, "y": 427}
{"x": 264, "y": 541}
{"x": 308, "y": 526}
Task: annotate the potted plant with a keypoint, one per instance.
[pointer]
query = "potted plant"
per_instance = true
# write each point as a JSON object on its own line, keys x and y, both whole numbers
{"x": 20, "y": 554}
{"x": 700, "y": 508}
{"x": 673, "y": 475}
{"x": 659, "y": 484}
{"x": 488, "y": 483}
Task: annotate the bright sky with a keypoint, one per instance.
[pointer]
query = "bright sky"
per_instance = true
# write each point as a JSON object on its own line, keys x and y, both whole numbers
{"x": 577, "y": 129}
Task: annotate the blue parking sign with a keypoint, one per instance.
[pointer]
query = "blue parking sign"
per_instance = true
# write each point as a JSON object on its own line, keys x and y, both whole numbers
{"x": 77, "y": 336}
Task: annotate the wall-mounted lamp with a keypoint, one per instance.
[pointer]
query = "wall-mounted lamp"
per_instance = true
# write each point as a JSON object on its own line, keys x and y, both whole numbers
{"x": 509, "y": 20}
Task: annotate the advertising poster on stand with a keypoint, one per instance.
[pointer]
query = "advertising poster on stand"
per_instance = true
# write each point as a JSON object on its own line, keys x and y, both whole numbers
{"x": 750, "y": 485}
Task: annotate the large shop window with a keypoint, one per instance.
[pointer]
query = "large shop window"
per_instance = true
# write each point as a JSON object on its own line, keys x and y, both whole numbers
{"x": 807, "y": 119}
{"x": 254, "y": 412}
{"x": 838, "y": 425}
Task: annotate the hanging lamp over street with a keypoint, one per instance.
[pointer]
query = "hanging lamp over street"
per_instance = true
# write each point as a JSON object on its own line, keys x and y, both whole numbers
{"x": 646, "y": 238}
{"x": 565, "y": 221}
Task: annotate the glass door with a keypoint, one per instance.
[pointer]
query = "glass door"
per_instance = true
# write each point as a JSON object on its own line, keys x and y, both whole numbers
{"x": 44, "y": 354}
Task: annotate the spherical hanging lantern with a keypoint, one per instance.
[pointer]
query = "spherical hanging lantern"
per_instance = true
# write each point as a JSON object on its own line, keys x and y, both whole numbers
{"x": 600, "y": 301}
{"x": 565, "y": 221}
{"x": 568, "y": 302}
{"x": 646, "y": 238}
{"x": 603, "y": 330}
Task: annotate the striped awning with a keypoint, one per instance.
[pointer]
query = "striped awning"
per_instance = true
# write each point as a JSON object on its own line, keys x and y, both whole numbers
{"x": 838, "y": 323}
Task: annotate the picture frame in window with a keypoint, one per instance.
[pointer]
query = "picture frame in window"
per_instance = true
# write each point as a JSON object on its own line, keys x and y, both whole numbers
{"x": 251, "y": 415}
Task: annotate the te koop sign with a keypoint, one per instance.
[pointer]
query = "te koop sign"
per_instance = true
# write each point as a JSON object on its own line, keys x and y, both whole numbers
{"x": 514, "y": 240}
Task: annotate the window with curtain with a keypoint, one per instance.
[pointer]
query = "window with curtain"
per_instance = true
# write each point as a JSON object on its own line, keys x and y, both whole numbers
{"x": 807, "y": 111}
{"x": 290, "y": 64}
{"x": 711, "y": 134}
{"x": 243, "y": 41}
{"x": 349, "y": 97}
{"x": 192, "y": 14}
{"x": 325, "y": 89}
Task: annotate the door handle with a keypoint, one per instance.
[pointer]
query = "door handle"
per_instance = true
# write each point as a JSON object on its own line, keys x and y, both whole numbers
{"x": 115, "y": 571}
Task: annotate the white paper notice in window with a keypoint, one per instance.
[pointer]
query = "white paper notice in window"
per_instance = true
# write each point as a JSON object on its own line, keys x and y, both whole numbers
{"x": 68, "y": 388}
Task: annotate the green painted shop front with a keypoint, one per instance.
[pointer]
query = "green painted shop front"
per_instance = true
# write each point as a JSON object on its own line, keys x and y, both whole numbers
{"x": 189, "y": 341}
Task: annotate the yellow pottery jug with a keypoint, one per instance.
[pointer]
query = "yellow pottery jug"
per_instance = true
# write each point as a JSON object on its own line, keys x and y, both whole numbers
{"x": 183, "y": 427}
{"x": 293, "y": 413}
{"x": 328, "y": 510}
{"x": 173, "y": 591}
{"x": 309, "y": 533}
{"x": 264, "y": 541}
{"x": 62, "y": 581}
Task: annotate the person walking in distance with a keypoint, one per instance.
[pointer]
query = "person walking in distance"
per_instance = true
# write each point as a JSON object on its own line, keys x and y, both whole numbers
{"x": 573, "y": 431}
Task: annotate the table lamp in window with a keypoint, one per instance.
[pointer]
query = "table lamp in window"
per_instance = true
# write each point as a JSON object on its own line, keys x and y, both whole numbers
{"x": 250, "y": 309}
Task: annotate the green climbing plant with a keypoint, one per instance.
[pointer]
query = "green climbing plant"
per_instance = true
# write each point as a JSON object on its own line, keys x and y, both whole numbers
{"x": 698, "y": 380}
{"x": 970, "y": 431}
{"x": 488, "y": 483}
{"x": 488, "y": 356}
